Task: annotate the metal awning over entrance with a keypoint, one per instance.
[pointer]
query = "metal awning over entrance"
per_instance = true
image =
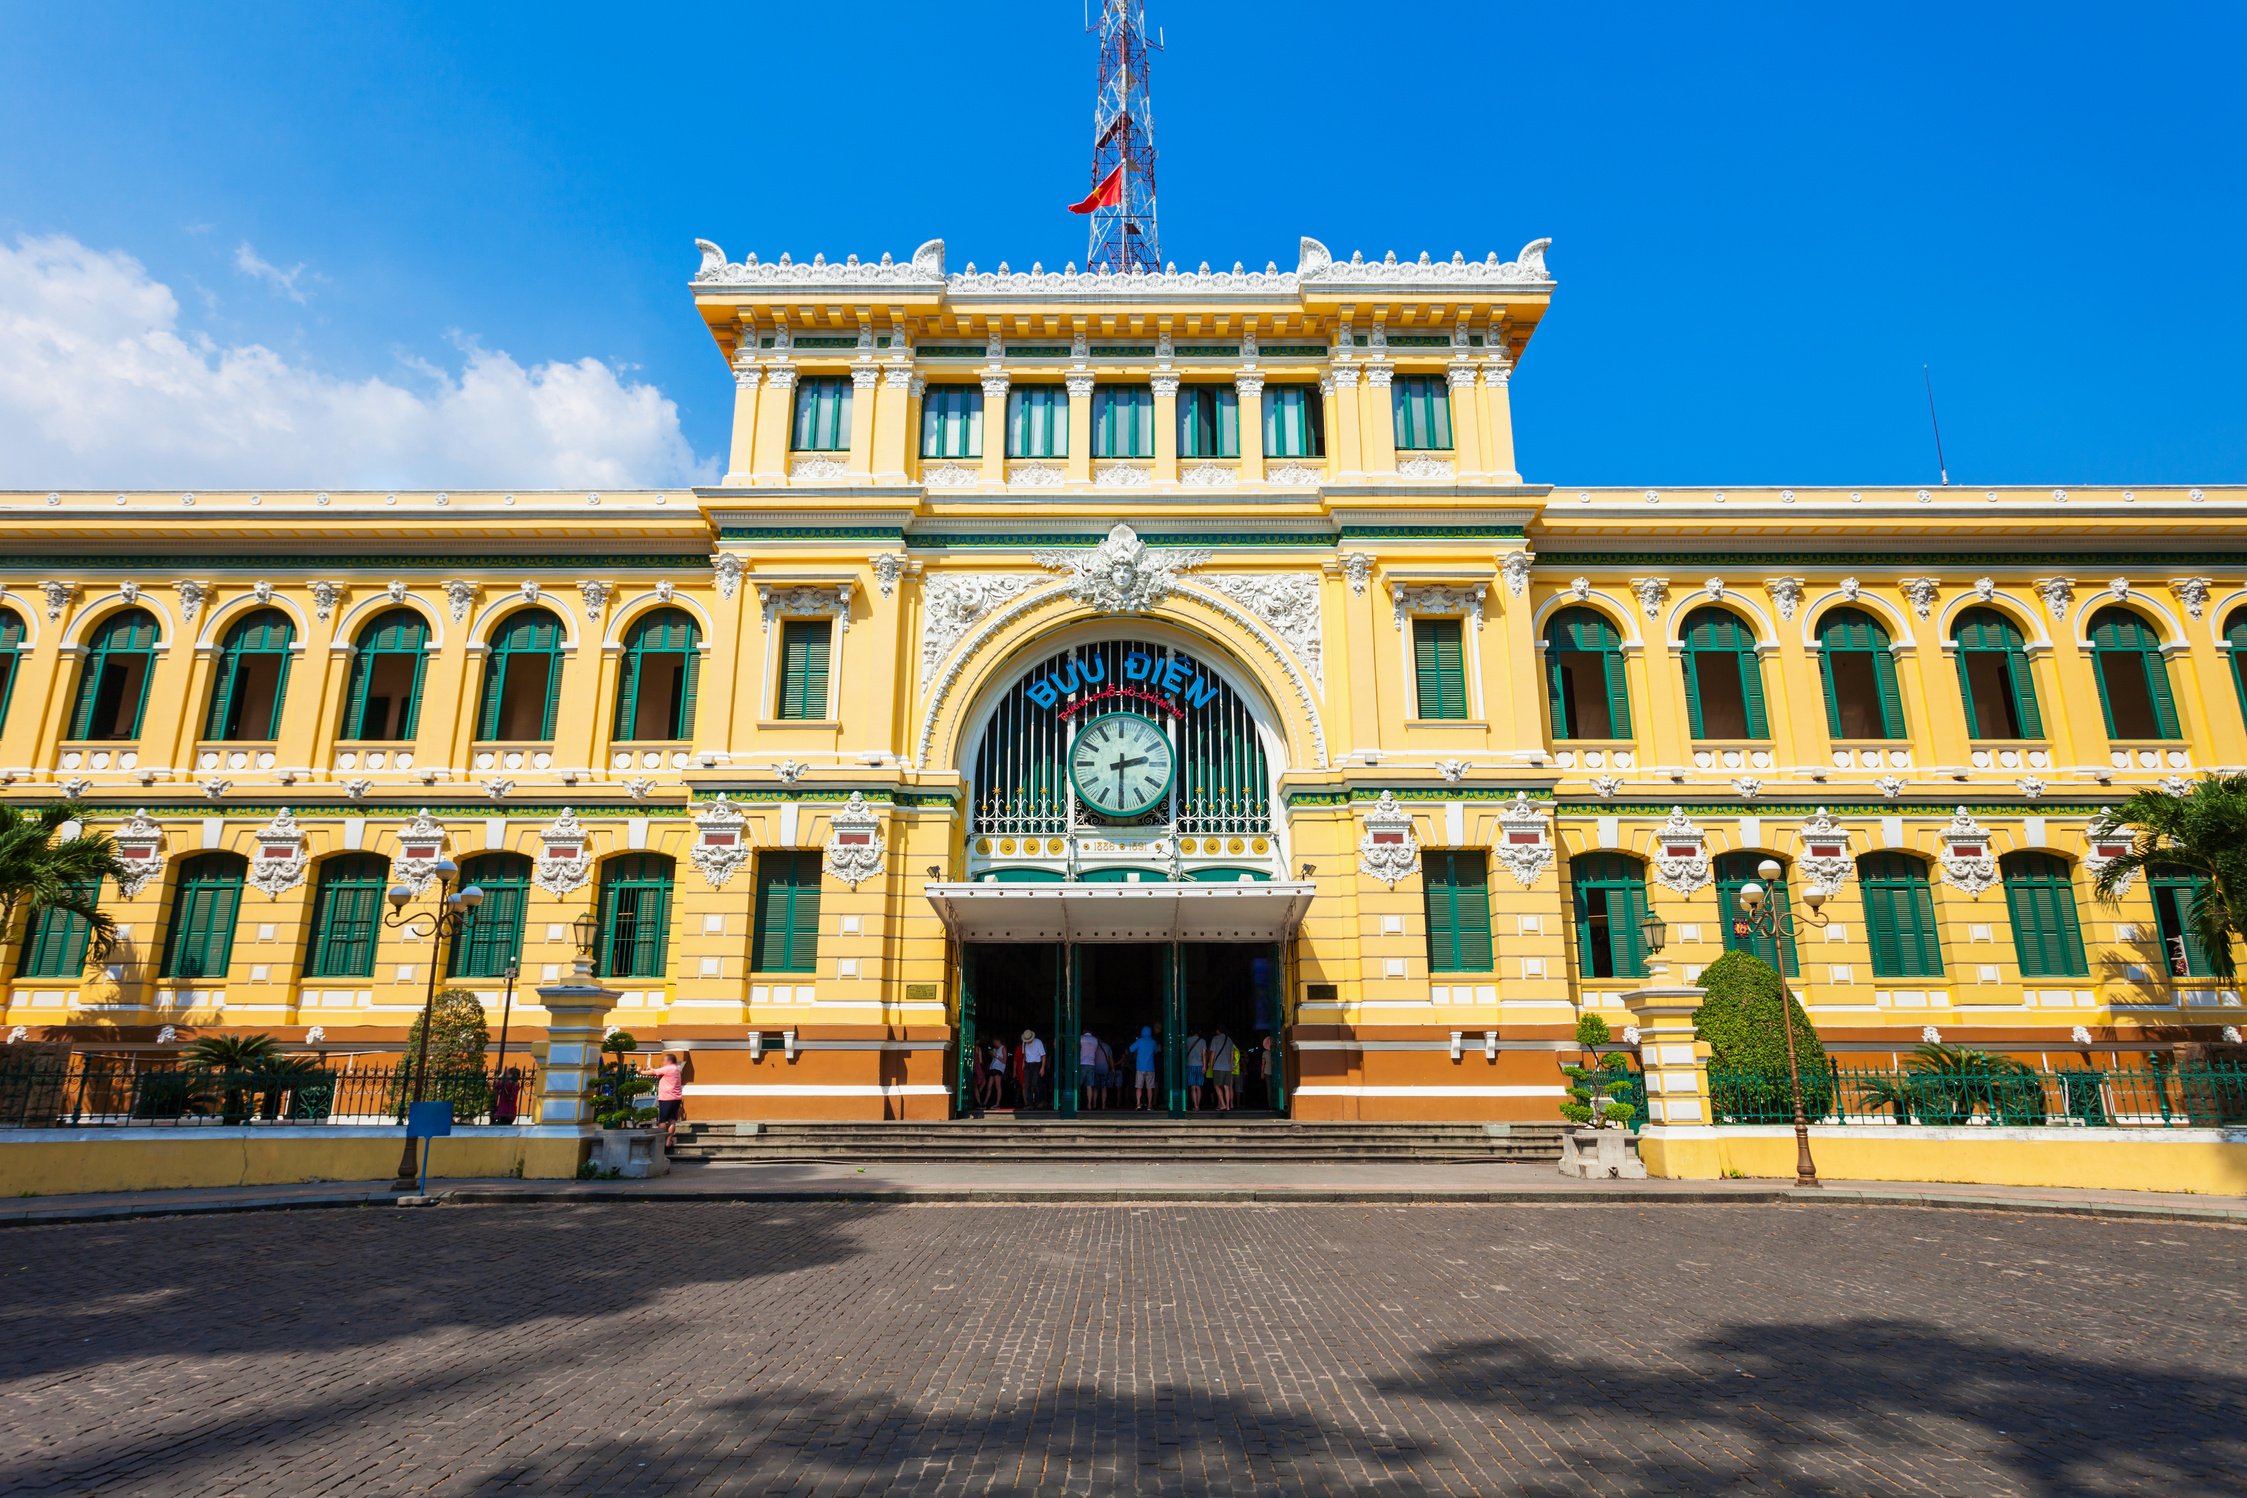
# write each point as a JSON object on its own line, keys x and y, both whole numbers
{"x": 1120, "y": 912}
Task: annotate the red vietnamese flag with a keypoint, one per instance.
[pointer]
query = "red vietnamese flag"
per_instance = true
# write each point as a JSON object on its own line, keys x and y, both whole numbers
{"x": 1107, "y": 195}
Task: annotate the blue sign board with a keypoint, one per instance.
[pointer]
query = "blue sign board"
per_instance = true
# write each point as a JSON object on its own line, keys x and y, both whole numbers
{"x": 429, "y": 1120}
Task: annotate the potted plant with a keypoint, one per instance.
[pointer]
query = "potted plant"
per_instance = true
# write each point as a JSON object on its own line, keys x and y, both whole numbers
{"x": 628, "y": 1145}
{"x": 1599, "y": 1147}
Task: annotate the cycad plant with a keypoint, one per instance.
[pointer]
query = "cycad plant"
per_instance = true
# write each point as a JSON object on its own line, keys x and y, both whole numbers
{"x": 2202, "y": 832}
{"x": 233, "y": 1060}
{"x": 42, "y": 869}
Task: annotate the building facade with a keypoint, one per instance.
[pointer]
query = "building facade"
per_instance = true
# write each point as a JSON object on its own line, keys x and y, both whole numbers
{"x": 1070, "y": 650}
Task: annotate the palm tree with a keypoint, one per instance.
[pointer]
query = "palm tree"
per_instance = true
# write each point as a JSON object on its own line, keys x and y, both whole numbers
{"x": 45, "y": 870}
{"x": 2203, "y": 832}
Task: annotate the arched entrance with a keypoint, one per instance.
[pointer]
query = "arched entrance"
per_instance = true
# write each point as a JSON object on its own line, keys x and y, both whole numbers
{"x": 1125, "y": 867}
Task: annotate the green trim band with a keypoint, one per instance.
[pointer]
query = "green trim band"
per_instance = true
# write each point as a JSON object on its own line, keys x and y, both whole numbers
{"x": 1987, "y": 560}
{"x": 344, "y": 557}
{"x": 1434, "y": 533}
{"x": 1028, "y": 541}
{"x": 890, "y": 533}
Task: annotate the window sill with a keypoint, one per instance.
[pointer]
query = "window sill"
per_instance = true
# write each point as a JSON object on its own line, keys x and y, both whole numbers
{"x": 235, "y": 754}
{"x": 783, "y": 724}
{"x": 650, "y": 754}
{"x": 1445, "y": 723}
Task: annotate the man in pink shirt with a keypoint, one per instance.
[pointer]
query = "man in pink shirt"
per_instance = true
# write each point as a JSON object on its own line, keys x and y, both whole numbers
{"x": 670, "y": 1095}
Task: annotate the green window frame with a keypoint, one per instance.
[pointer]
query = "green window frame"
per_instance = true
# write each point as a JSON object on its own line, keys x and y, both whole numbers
{"x": 2235, "y": 637}
{"x": 1858, "y": 665}
{"x": 1037, "y": 422}
{"x": 199, "y": 938}
{"x": 493, "y": 937}
{"x": 1900, "y": 916}
{"x": 11, "y": 658}
{"x": 1422, "y": 408}
{"x": 1733, "y": 870}
{"x": 1123, "y": 421}
{"x": 346, "y": 916}
{"x": 252, "y": 678}
{"x": 662, "y": 671}
{"x": 1209, "y": 422}
{"x": 525, "y": 657}
{"x": 1456, "y": 887}
{"x": 635, "y": 915}
{"x": 1723, "y": 677}
{"x": 1439, "y": 667}
{"x": 822, "y": 412}
{"x": 1294, "y": 422}
{"x": 1586, "y": 688}
{"x": 2040, "y": 899}
{"x": 2133, "y": 678}
{"x": 787, "y": 919}
{"x": 113, "y": 681}
{"x": 2174, "y": 892}
{"x": 806, "y": 646}
{"x": 1994, "y": 679}
{"x": 952, "y": 421}
{"x": 1609, "y": 895}
{"x": 55, "y": 940}
{"x": 383, "y": 698}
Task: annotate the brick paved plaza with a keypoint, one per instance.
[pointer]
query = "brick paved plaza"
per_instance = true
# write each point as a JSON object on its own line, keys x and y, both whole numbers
{"x": 662, "y": 1347}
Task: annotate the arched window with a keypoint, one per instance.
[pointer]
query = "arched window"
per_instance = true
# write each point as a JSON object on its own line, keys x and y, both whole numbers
{"x": 2175, "y": 892}
{"x": 11, "y": 656}
{"x": 113, "y": 683}
{"x": 1732, "y": 871}
{"x": 2235, "y": 635}
{"x": 384, "y": 698}
{"x": 1994, "y": 679}
{"x": 1584, "y": 682}
{"x": 252, "y": 678}
{"x": 2133, "y": 679}
{"x": 1723, "y": 680}
{"x": 494, "y": 937}
{"x": 346, "y": 917}
{"x": 655, "y": 695}
{"x": 1610, "y": 894}
{"x": 522, "y": 678}
{"x": 2040, "y": 898}
{"x": 1900, "y": 916}
{"x": 635, "y": 915}
{"x": 1861, "y": 697}
{"x": 199, "y": 940}
{"x": 1457, "y": 889}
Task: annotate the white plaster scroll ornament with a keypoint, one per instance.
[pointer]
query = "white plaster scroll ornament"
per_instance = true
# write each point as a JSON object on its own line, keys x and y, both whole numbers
{"x": 1748, "y": 787}
{"x": 396, "y": 588}
{"x": 1525, "y": 839}
{"x": 421, "y": 846}
{"x": 1922, "y": 592}
{"x": 1407, "y": 599}
{"x": 1650, "y": 592}
{"x": 262, "y": 590}
{"x": 639, "y": 787}
{"x": 1286, "y": 603}
{"x": 1294, "y": 473}
{"x": 1209, "y": 476}
{"x": 2104, "y": 842}
{"x": 1424, "y": 469}
{"x": 889, "y": 566}
{"x": 1357, "y": 567}
{"x": 1929, "y": 1035}
{"x": 790, "y": 771}
{"x": 58, "y": 596}
{"x": 854, "y": 842}
{"x": 951, "y": 605}
{"x": 728, "y": 566}
{"x": 1968, "y": 862}
{"x": 499, "y": 789}
{"x": 2031, "y": 786}
{"x": 1453, "y": 770}
{"x": 1389, "y": 850}
{"x": 281, "y": 857}
{"x": 2193, "y": 593}
{"x": 1824, "y": 863}
{"x": 140, "y": 851}
{"x": 783, "y": 601}
{"x": 2081, "y": 1034}
{"x": 1786, "y": 594}
{"x": 129, "y": 590}
{"x": 1891, "y": 786}
{"x": 325, "y": 597}
{"x": 216, "y": 788}
{"x": 2057, "y": 593}
{"x": 721, "y": 841}
{"x": 460, "y": 597}
{"x": 1122, "y": 575}
{"x": 1608, "y": 786}
{"x": 1850, "y": 588}
{"x": 1516, "y": 566}
{"x": 75, "y": 788}
{"x": 596, "y": 595}
{"x": 565, "y": 860}
{"x": 1681, "y": 854}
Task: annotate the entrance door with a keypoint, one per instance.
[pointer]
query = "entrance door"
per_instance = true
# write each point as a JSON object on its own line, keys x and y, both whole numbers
{"x": 1007, "y": 988}
{"x": 1233, "y": 988}
{"x": 1121, "y": 988}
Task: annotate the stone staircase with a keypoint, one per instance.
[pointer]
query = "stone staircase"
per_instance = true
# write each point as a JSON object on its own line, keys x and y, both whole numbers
{"x": 1043, "y": 1139}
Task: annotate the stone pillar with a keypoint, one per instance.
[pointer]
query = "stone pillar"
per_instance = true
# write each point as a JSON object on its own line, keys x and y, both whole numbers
{"x": 896, "y": 422}
{"x": 561, "y": 1133}
{"x": 995, "y": 385}
{"x": 1677, "y": 1140}
{"x": 865, "y": 380}
{"x": 1080, "y": 383}
{"x": 775, "y": 410}
{"x": 1248, "y": 385}
{"x": 1467, "y": 455}
{"x": 1377, "y": 412}
{"x": 1341, "y": 390}
{"x": 741, "y": 457}
{"x": 1498, "y": 435}
{"x": 1165, "y": 383}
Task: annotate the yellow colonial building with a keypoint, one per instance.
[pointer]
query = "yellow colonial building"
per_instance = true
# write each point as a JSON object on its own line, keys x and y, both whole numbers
{"x": 1066, "y": 650}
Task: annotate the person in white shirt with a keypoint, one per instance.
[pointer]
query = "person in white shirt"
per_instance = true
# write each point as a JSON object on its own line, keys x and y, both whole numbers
{"x": 1088, "y": 1068}
{"x": 991, "y": 1087}
{"x": 1197, "y": 1062}
{"x": 1033, "y": 1070}
{"x": 1224, "y": 1064}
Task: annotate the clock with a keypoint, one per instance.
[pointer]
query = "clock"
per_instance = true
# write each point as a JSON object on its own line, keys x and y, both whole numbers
{"x": 1121, "y": 764}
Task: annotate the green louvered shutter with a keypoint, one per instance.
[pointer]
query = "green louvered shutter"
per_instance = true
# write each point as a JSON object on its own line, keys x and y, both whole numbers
{"x": 803, "y": 668}
{"x": 355, "y": 698}
{"x": 55, "y": 945}
{"x": 1693, "y": 694}
{"x": 1891, "y": 696}
{"x": 344, "y": 906}
{"x": 1751, "y": 692}
{"x": 2164, "y": 702}
{"x": 1457, "y": 903}
{"x": 495, "y": 678}
{"x": 2047, "y": 935}
{"x": 1833, "y": 697}
{"x": 691, "y": 687}
{"x": 1618, "y": 692}
{"x": 1439, "y": 668}
{"x": 1556, "y": 700}
{"x": 553, "y": 690}
{"x": 1900, "y": 916}
{"x": 2023, "y": 682}
{"x": 200, "y": 943}
{"x": 2236, "y": 635}
{"x": 628, "y": 694}
{"x": 787, "y": 915}
{"x": 494, "y": 937}
{"x": 1966, "y": 695}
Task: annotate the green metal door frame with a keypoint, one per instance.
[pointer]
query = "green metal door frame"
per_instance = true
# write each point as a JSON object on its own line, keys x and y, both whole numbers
{"x": 963, "y": 1092}
{"x": 1174, "y": 1028}
{"x": 1068, "y": 1010}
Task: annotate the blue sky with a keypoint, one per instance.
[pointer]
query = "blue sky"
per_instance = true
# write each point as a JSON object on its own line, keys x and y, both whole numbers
{"x": 427, "y": 244}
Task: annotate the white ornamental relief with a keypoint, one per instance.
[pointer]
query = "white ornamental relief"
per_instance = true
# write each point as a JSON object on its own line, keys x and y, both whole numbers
{"x": 2057, "y": 593}
{"x": 1424, "y": 469}
{"x": 1122, "y": 575}
{"x": 1681, "y": 854}
{"x": 728, "y": 565}
{"x": 1389, "y": 850}
{"x": 1850, "y": 588}
{"x": 888, "y": 567}
{"x": 817, "y": 471}
{"x": 1285, "y": 603}
{"x": 140, "y": 851}
{"x": 1969, "y": 863}
{"x": 460, "y": 597}
{"x": 1922, "y": 592}
{"x": 2193, "y": 593}
{"x": 1786, "y": 594}
{"x": 951, "y": 605}
{"x": 721, "y": 842}
{"x": 1209, "y": 476}
{"x": 782, "y": 601}
{"x": 1525, "y": 839}
{"x": 1121, "y": 476}
{"x": 1035, "y": 476}
{"x": 1824, "y": 863}
{"x": 950, "y": 476}
{"x": 1357, "y": 566}
{"x": 58, "y": 596}
{"x": 1436, "y": 600}
{"x": 565, "y": 860}
{"x": 421, "y": 845}
{"x": 1294, "y": 473}
{"x": 596, "y": 596}
{"x": 1650, "y": 592}
{"x": 1516, "y": 566}
{"x": 396, "y": 588}
{"x": 281, "y": 856}
{"x": 262, "y": 590}
{"x": 854, "y": 842}
{"x": 192, "y": 596}
{"x": 790, "y": 771}
{"x": 325, "y": 597}
{"x": 2104, "y": 842}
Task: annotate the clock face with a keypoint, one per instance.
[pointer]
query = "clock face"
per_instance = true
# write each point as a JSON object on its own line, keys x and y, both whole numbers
{"x": 1121, "y": 764}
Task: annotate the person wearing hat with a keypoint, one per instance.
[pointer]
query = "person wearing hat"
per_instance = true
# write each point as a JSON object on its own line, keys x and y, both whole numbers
{"x": 1033, "y": 1070}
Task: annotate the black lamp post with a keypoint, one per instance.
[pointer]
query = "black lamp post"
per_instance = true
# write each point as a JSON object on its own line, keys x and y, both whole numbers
{"x": 455, "y": 908}
{"x": 1760, "y": 915}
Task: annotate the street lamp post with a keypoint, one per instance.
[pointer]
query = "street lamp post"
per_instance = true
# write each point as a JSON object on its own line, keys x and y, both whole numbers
{"x": 454, "y": 910}
{"x": 1762, "y": 916}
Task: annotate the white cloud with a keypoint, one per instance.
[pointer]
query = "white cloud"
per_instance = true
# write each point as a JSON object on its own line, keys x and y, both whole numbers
{"x": 101, "y": 387}
{"x": 250, "y": 263}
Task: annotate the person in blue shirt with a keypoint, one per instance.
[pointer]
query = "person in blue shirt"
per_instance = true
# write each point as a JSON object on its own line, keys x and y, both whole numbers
{"x": 1143, "y": 1063}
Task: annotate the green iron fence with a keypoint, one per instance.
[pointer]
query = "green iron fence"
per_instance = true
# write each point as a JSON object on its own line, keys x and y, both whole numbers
{"x": 2000, "y": 1096}
{"x": 92, "y": 1091}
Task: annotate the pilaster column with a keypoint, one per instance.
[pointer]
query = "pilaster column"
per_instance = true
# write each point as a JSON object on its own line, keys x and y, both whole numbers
{"x": 893, "y": 423}
{"x": 865, "y": 380}
{"x": 1342, "y": 424}
{"x": 1380, "y": 423}
{"x": 995, "y": 385}
{"x": 1467, "y": 451}
{"x": 1165, "y": 383}
{"x": 1080, "y": 383}
{"x": 1248, "y": 385}
{"x": 774, "y": 408}
{"x": 1498, "y": 432}
{"x": 741, "y": 455}
{"x": 577, "y": 1015}
{"x": 909, "y": 454}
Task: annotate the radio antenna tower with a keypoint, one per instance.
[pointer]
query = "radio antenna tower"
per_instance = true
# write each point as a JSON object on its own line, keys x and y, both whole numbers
{"x": 1123, "y": 142}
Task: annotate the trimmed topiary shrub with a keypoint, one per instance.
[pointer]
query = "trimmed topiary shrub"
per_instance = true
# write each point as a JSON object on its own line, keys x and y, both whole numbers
{"x": 1740, "y": 1021}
